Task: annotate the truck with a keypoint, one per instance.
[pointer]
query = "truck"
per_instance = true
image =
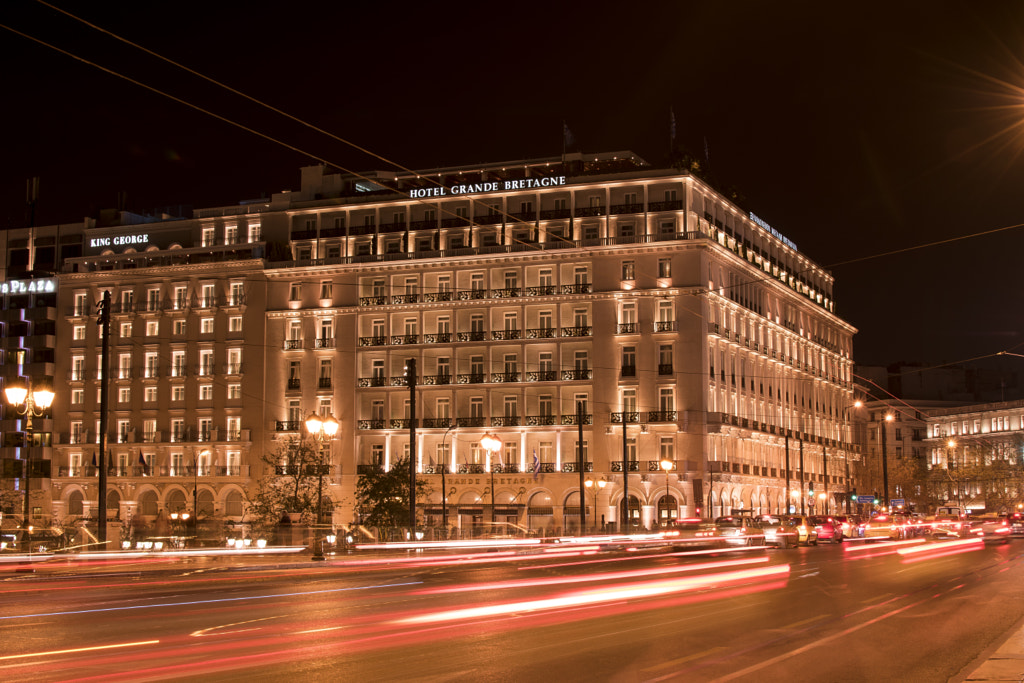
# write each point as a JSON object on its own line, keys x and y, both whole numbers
{"x": 949, "y": 520}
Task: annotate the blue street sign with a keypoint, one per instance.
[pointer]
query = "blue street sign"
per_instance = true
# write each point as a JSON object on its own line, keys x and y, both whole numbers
{"x": 897, "y": 502}
{"x": 865, "y": 499}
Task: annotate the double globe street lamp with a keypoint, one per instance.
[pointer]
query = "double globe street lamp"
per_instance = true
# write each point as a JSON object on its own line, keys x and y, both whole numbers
{"x": 323, "y": 430}
{"x": 30, "y": 403}
{"x": 491, "y": 444}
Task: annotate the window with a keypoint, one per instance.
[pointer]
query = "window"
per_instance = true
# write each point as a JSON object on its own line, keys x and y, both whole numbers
{"x": 629, "y": 400}
{"x": 377, "y": 410}
{"x": 476, "y": 407}
{"x": 665, "y": 359}
{"x": 149, "y": 394}
{"x": 628, "y": 270}
{"x": 237, "y": 294}
{"x": 476, "y": 282}
{"x": 234, "y": 425}
{"x": 81, "y": 304}
{"x": 667, "y": 449}
{"x": 581, "y": 361}
{"x": 179, "y": 328}
{"x": 234, "y": 391}
{"x": 78, "y": 332}
{"x": 205, "y": 392}
{"x": 230, "y": 234}
{"x": 580, "y": 317}
{"x": 581, "y": 275}
{"x": 124, "y": 395}
{"x": 77, "y": 432}
{"x": 545, "y": 277}
{"x": 580, "y": 401}
{"x": 77, "y": 396}
{"x": 665, "y": 267}
{"x": 544, "y": 320}
{"x": 628, "y": 313}
{"x": 206, "y": 362}
{"x": 546, "y": 451}
{"x": 127, "y": 301}
{"x": 476, "y": 323}
{"x": 442, "y": 408}
{"x": 666, "y": 399}
{"x": 180, "y": 298}
{"x": 295, "y": 291}
{"x": 234, "y": 361}
{"x": 444, "y": 283}
{"x": 124, "y": 366}
{"x": 545, "y": 405}
{"x": 255, "y": 232}
{"x": 379, "y": 287}
{"x": 208, "y": 298}
{"x": 177, "y": 364}
{"x": 444, "y": 367}
{"x": 511, "y": 279}
{"x": 411, "y": 327}
{"x": 235, "y": 323}
{"x": 205, "y": 425}
{"x": 545, "y": 361}
{"x": 207, "y": 237}
{"x": 149, "y": 430}
{"x": 152, "y": 367}
{"x": 126, "y": 330}
{"x": 511, "y": 364}
{"x": 326, "y": 289}
{"x": 152, "y": 300}
{"x": 177, "y": 429}
{"x": 378, "y": 370}
{"x": 511, "y": 321}
{"x": 152, "y": 328}
{"x": 326, "y": 331}
{"x": 206, "y": 326}
{"x": 178, "y": 393}
{"x": 476, "y": 366}
{"x": 378, "y": 328}
{"x": 511, "y": 405}
{"x": 326, "y": 372}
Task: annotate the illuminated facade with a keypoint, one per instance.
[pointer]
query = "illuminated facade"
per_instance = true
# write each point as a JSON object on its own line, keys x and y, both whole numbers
{"x": 532, "y": 295}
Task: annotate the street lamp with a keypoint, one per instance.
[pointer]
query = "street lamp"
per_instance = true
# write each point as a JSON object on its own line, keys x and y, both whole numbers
{"x": 491, "y": 444}
{"x": 444, "y": 470}
{"x": 885, "y": 462}
{"x": 846, "y": 448}
{"x": 600, "y": 483}
{"x": 951, "y": 445}
{"x": 31, "y": 404}
{"x": 321, "y": 429}
{"x": 666, "y": 466}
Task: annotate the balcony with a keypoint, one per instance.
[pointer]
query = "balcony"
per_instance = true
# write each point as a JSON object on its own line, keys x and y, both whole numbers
{"x": 542, "y": 376}
{"x": 233, "y": 369}
{"x": 405, "y": 299}
{"x": 578, "y": 288}
{"x": 579, "y": 331}
{"x": 375, "y": 381}
{"x": 541, "y": 420}
{"x": 619, "y": 209}
{"x": 436, "y": 422}
{"x": 405, "y": 339}
{"x": 628, "y": 371}
{"x": 665, "y": 326}
{"x": 673, "y": 205}
{"x": 401, "y": 423}
{"x": 152, "y": 437}
{"x": 575, "y": 375}
{"x": 542, "y": 290}
{"x": 325, "y": 342}
{"x": 288, "y": 426}
{"x": 324, "y": 383}
{"x": 376, "y": 300}
{"x": 488, "y": 219}
{"x": 572, "y": 466}
{"x": 626, "y": 328}
{"x": 585, "y": 211}
{"x": 502, "y": 377}
{"x": 474, "y": 336}
{"x": 471, "y": 468}
{"x": 434, "y": 297}
{"x": 510, "y": 468}
{"x": 664, "y": 368}
{"x": 506, "y": 335}
{"x": 634, "y": 466}
{"x": 617, "y": 418}
{"x": 506, "y": 421}
{"x": 373, "y": 341}
{"x": 506, "y": 293}
{"x": 661, "y": 416}
{"x": 655, "y": 466}
{"x": 292, "y": 344}
{"x": 438, "y": 338}
{"x": 472, "y": 294}
{"x": 573, "y": 419}
{"x": 294, "y": 384}
{"x": 400, "y": 381}
{"x": 470, "y": 422}
{"x": 541, "y": 333}
{"x": 371, "y": 424}
{"x": 472, "y": 378}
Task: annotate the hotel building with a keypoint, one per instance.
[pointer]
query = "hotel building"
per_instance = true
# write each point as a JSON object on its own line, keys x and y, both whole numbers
{"x": 535, "y": 297}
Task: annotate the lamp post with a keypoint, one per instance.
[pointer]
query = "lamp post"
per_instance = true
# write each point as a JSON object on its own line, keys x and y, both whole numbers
{"x": 195, "y": 490}
{"x": 321, "y": 429}
{"x": 951, "y": 463}
{"x": 846, "y": 448}
{"x": 491, "y": 444}
{"x": 600, "y": 483}
{"x": 29, "y": 403}
{"x": 666, "y": 466}
{"x": 444, "y": 490}
{"x": 885, "y": 462}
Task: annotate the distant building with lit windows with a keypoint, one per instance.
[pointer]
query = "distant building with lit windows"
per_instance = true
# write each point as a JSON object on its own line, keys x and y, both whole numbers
{"x": 533, "y": 295}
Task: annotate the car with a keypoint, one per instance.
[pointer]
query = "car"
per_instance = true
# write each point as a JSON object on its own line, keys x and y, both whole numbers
{"x": 989, "y": 528}
{"x": 776, "y": 532}
{"x": 1016, "y": 520}
{"x": 691, "y": 532}
{"x": 803, "y": 530}
{"x": 883, "y": 526}
{"x": 826, "y": 528}
{"x": 851, "y": 525}
{"x": 739, "y": 530}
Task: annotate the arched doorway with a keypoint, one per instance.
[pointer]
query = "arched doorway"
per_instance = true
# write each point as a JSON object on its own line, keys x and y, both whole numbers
{"x": 540, "y": 512}
{"x": 571, "y": 513}
{"x": 233, "y": 504}
{"x": 148, "y": 503}
{"x": 633, "y": 516}
{"x": 75, "y": 507}
{"x": 176, "y": 501}
{"x": 206, "y": 507}
{"x": 113, "y": 504}
{"x": 668, "y": 509}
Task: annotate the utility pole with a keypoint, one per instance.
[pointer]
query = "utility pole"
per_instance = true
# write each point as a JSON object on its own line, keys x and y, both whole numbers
{"x": 104, "y": 323}
{"x": 410, "y": 373}
{"x": 625, "y": 521}
{"x": 581, "y": 465}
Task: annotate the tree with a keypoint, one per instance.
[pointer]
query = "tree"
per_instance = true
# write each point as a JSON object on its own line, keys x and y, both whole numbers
{"x": 293, "y": 486}
{"x": 382, "y": 498}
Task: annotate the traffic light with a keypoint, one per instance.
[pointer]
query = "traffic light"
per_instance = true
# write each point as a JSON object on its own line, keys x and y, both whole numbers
{"x": 876, "y": 498}
{"x": 853, "y": 495}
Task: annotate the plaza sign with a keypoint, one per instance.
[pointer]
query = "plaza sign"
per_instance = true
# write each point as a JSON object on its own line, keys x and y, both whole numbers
{"x": 491, "y": 186}
{"x": 118, "y": 241}
{"x": 41, "y": 286}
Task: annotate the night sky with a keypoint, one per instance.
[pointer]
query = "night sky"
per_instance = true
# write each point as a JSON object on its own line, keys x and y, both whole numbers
{"x": 868, "y": 133}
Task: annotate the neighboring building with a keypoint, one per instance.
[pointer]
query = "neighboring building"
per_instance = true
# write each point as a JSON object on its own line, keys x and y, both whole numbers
{"x": 976, "y": 454}
{"x": 532, "y": 295}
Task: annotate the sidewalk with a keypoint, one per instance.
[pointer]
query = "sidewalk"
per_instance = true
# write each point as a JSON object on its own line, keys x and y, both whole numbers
{"x": 1005, "y": 664}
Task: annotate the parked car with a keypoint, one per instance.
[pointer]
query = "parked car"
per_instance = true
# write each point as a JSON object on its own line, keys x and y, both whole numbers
{"x": 882, "y": 526}
{"x": 739, "y": 530}
{"x": 803, "y": 530}
{"x": 826, "y": 528}
{"x": 776, "y": 532}
{"x": 1016, "y": 521}
{"x": 692, "y": 532}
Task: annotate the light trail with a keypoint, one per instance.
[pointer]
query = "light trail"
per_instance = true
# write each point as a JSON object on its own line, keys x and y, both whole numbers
{"x": 592, "y": 597}
{"x": 885, "y": 545}
{"x": 636, "y": 573}
{"x": 208, "y": 602}
{"x": 78, "y": 650}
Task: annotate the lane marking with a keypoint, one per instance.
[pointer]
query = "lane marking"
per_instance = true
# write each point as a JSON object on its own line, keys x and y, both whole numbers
{"x": 805, "y": 621}
{"x": 682, "y": 660}
{"x": 206, "y": 631}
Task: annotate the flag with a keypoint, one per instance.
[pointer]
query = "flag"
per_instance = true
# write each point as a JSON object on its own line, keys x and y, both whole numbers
{"x": 142, "y": 463}
{"x": 671, "y": 127}
{"x": 95, "y": 467}
{"x": 536, "y": 464}
{"x": 568, "y": 140}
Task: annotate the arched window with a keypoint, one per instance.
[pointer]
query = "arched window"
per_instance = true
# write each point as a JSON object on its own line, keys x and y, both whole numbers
{"x": 113, "y": 503}
{"x": 233, "y": 504}
{"x": 148, "y": 503}
{"x": 75, "y": 503}
{"x": 176, "y": 501}
{"x": 205, "y": 503}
